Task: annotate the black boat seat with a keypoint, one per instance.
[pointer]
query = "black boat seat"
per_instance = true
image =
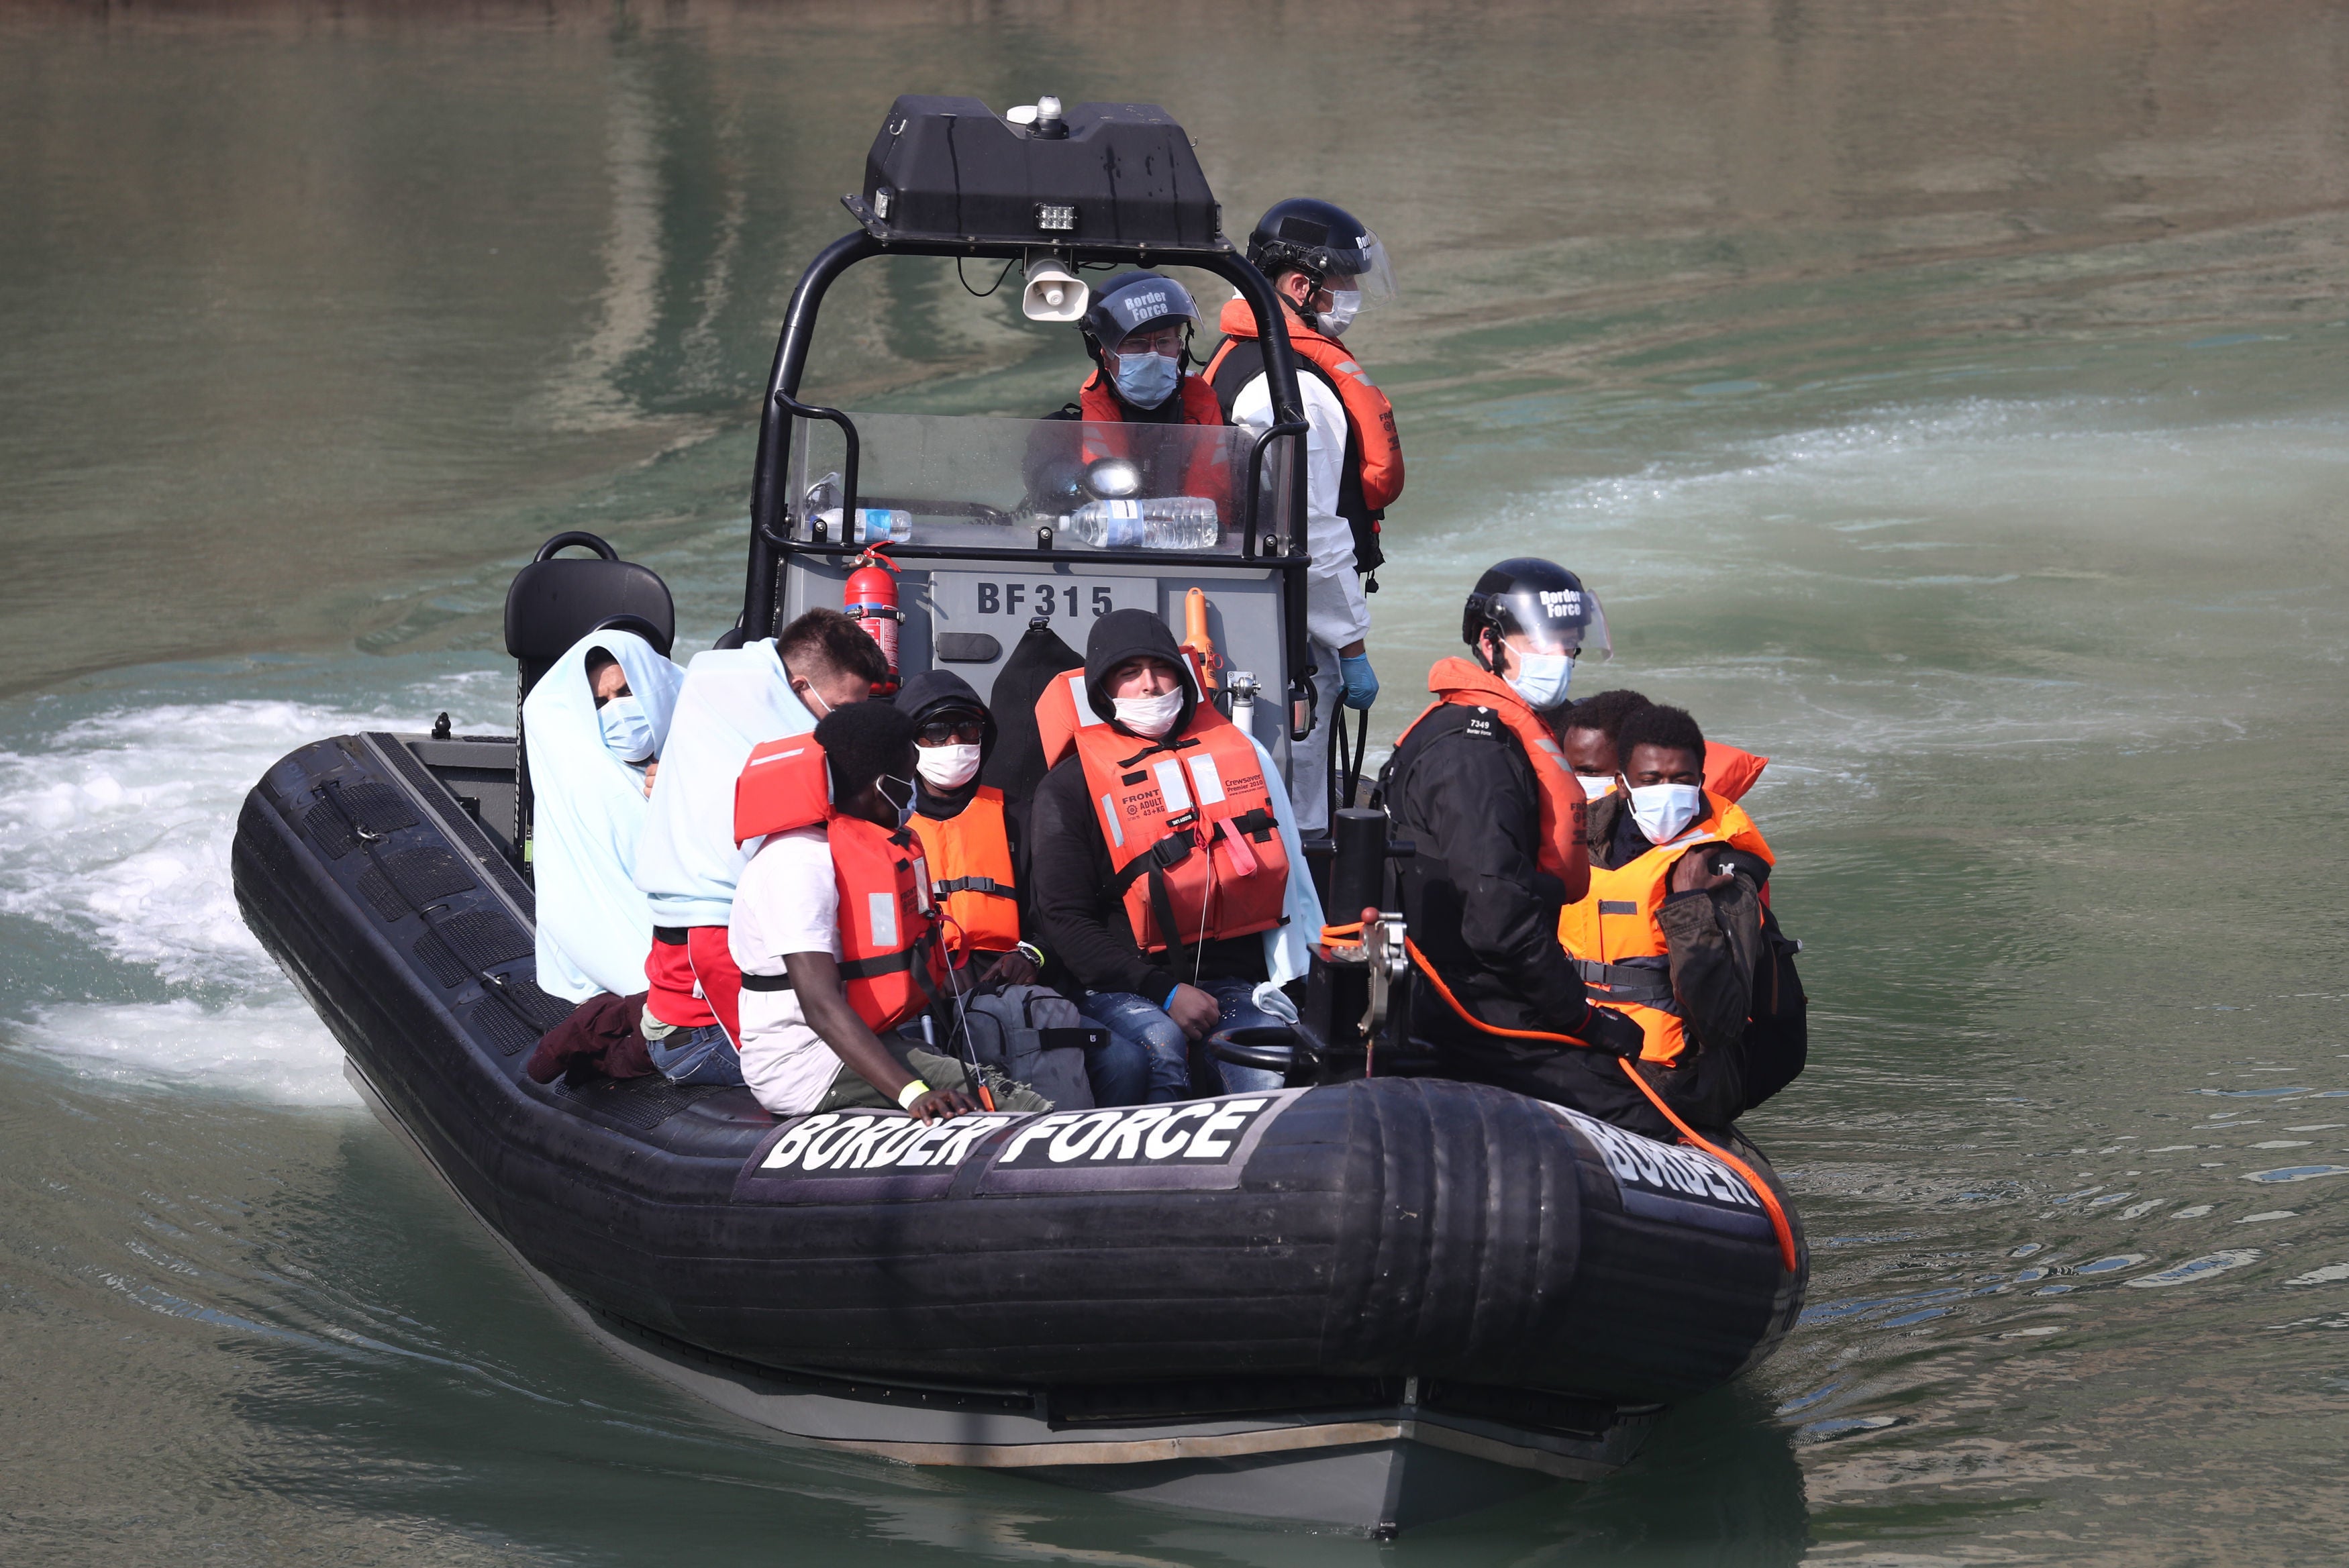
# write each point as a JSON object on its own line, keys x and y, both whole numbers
{"x": 556, "y": 600}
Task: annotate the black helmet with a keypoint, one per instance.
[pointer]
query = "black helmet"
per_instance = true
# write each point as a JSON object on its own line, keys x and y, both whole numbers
{"x": 1541, "y": 598}
{"x": 1131, "y": 300}
{"x": 1322, "y": 238}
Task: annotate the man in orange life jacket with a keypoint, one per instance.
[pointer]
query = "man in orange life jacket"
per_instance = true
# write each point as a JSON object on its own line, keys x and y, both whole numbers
{"x": 1670, "y": 929}
{"x": 977, "y": 860}
{"x": 1586, "y": 735}
{"x": 1169, "y": 881}
{"x": 1327, "y": 268}
{"x": 1137, "y": 332}
{"x": 833, "y": 925}
{"x": 1587, "y": 732}
{"x": 1478, "y": 784}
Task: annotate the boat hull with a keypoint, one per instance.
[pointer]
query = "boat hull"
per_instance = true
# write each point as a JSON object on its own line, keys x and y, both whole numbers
{"x": 1357, "y": 1304}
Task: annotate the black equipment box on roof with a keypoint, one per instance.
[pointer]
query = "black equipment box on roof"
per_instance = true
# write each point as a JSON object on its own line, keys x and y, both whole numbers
{"x": 1114, "y": 174}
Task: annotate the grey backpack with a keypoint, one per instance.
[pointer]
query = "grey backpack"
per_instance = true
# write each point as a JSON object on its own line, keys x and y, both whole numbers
{"x": 1035, "y": 1035}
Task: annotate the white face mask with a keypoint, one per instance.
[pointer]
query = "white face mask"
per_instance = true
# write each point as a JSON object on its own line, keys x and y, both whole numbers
{"x": 1541, "y": 678}
{"x": 946, "y": 766}
{"x": 627, "y": 730}
{"x": 1149, "y": 715}
{"x": 1345, "y": 305}
{"x": 1663, "y": 811}
{"x": 1595, "y": 785}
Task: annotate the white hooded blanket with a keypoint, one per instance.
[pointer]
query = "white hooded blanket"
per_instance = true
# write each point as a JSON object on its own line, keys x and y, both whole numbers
{"x": 594, "y": 927}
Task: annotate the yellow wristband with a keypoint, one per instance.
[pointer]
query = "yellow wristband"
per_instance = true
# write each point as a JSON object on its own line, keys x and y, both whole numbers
{"x": 913, "y": 1090}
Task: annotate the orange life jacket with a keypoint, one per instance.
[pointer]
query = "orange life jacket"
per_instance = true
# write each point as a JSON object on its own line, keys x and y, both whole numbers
{"x": 890, "y": 962}
{"x": 1204, "y": 474}
{"x": 1730, "y": 772}
{"x": 1562, "y": 853}
{"x": 1617, "y": 942}
{"x": 969, "y": 854}
{"x": 1367, "y": 409}
{"x": 1193, "y": 837}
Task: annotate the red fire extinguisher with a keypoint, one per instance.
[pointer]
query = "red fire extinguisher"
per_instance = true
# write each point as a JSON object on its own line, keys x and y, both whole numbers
{"x": 871, "y": 601}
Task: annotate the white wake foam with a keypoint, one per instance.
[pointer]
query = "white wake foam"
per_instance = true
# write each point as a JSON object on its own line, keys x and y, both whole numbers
{"x": 115, "y": 830}
{"x": 1952, "y": 577}
{"x": 274, "y": 1050}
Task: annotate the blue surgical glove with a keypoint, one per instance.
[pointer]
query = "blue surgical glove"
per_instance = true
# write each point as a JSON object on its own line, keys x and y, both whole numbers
{"x": 1362, "y": 681}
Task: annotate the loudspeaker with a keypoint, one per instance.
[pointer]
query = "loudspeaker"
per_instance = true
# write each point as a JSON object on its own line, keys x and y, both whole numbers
{"x": 1052, "y": 292}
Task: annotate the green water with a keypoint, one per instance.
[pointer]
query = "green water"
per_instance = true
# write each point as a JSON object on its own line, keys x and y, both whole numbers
{"x": 1947, "y": 400}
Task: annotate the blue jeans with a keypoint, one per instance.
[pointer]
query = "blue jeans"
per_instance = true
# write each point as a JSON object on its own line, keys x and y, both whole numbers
{"x": 1177, "y": 1065}
{"x": 697, "y": 1056}
{"x": 1119, "y": 1070}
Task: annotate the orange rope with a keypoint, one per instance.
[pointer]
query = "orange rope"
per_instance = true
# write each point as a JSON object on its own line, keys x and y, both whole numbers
{"x": 1779, "y": 1221}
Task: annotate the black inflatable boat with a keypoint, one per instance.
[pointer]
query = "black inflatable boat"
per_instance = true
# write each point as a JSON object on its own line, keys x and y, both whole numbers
{"x": 1364, "y": 1300}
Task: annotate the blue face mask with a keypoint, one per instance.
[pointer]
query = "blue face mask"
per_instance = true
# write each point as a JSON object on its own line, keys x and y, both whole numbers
{"x": 905, "y": 809}
{"x": 1541, "y": 678}
{"x": 1146, "y": 380}
{"x": 627, "y": 730}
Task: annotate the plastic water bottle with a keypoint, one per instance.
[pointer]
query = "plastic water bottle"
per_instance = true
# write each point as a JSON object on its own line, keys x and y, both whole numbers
{"x": 874, "y": 524}
{"x": 1161, "y": 522}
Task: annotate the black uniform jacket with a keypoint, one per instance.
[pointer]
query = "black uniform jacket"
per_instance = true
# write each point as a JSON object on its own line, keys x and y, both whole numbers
{"x": 1477, "y": 901}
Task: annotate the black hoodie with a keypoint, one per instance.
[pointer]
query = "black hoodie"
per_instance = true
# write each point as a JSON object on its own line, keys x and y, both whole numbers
{"x": 926, "y": 693}
{"x": 1078, "y": 922}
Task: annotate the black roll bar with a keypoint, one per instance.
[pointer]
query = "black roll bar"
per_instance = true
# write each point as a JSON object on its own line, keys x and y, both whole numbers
{"x": 771, "y": 543}
{"x": 768, "y": 469}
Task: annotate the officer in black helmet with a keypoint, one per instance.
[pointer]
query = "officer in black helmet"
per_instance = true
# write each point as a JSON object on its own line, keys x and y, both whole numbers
{"x": 1479, "y": 786}
{"x": 1137, "y": 332}
{"x": 1134, "y": 407}
{"x": 1328, "y": 268}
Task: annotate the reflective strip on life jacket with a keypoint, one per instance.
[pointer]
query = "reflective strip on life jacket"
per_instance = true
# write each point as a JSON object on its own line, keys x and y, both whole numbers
{"x": 891, "y": 961}
{"x": 1063, "y": 708}
{"x": 1617, "y": 942}
{"x": 1563, "y": 853}
{"x": 1368, "y": 412}
{"x": 969, "y": 854}
{"x": 1191, "y": 835}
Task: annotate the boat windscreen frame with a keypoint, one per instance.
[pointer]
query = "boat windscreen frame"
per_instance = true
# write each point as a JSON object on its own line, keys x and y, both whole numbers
{"x": 772, "y": 549}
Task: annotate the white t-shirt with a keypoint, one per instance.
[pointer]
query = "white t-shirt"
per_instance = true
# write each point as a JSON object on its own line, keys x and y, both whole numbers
{"x": 1336, "y": 614}
{"x": 787, "y": 902}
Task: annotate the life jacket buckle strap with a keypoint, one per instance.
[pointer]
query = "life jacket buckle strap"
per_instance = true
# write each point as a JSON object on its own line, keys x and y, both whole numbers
{"x": 885, "y": 964}
{"x": 1629, "y": 983}
{"x": 1162, "y": 856}
{"x": 987, "y": 885}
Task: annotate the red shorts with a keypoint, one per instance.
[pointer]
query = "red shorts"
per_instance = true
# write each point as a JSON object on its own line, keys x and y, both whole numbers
{"x": 694, "y": 983}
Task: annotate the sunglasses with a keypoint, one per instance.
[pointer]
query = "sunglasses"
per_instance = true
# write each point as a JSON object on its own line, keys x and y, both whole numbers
{"x": 952, "y": 732}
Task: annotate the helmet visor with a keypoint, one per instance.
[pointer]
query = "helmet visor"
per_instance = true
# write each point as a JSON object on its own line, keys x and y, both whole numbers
{"x": 1559, "y": 621}
{"x": 1363, "y": 267}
